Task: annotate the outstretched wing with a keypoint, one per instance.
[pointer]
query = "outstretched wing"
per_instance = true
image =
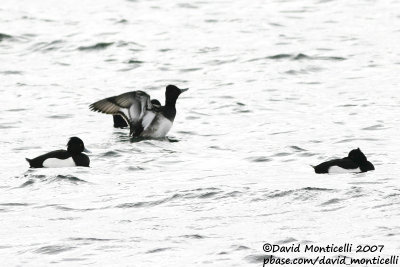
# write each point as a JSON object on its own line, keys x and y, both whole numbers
{"x": 132, "y": 106}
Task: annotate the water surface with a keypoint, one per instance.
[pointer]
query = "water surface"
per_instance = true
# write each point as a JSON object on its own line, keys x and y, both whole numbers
{"x": 274, "y": 87}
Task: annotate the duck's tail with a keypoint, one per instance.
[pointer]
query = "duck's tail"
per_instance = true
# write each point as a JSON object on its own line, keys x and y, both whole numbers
{"x": 29, "y": 161}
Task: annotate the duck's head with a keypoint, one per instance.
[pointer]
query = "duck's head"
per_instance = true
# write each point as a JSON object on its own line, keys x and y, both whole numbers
{"x": 172, "y": 93}
{"x": 357, "y": 156}
{"x": 75, "y": 146}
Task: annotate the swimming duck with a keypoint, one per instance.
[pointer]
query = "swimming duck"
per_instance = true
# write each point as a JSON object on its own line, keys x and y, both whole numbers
{"x": 144, "y": 117}
{"x": 71, "y": 157}
{"x": 356, "y": 161}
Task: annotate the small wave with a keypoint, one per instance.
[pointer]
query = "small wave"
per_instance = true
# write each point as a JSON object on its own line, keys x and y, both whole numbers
{"x": 211, "y": 20}
{"x": 12, "y": 204}
{"x": 331, "y": 209}
{"x": 11, "y": 72}
{"x": 282, "y": 154}
{"x": 56, "y": 249}
{"x": 280, "y": 194}
{"x": 4, "y": 36}
{"x": 257, "y": 258}
{"x": 157, "y": 250}
{"x": 307, "y": 154}
{"x": 47, "y": 46}
{"x": 332, "y": 201}
{"x": 304, "y": 56}
{"x": 299, "y": 149}
{"x": 208, "y": 194}
{"x": 374, "y": 127}
{"x": 296, "y": 72}
{"x": 200, "y": 193}
{"x": 122, "y": 21}
{"x": 51, "y": 178}
{"x": 280, "y": 56}
{"x": 187, "y": 5}
{"x": 231, "y": 194}
{"x": 195, "y": 236}
{"x": 59, "y": 207}
{"x": 259, "y": 159}
{"x": 298, "y": 57}
{"x": 111, "y": 154}
{"x": 187, "y": 132}
{"x": 240, "y": 247}
{"x": 190, "y": 69}
{"x": 27, "y": 183}
{"x": 136, "y": 168}
{"x": 357, "y": 139}
{"x": 73, "y": 259}
{"x": 172, "y": 140}
{"x": 134, "y": 61}
{"x": 64, "y": 219}
{"x": 60, "y": 116}
{"x": 7, "y": 126}
{"x": 147, "y": 203}
{"x": 355, "y": 191}
{"x": 69, "y": 178}
{"x": 16, "y": 109}
{"x": 98, "y": 46}
{"x": 316, "y": 189}
{"x": 301, "y": 56}
{"x": 299, "y": 193}
{"x": 218, "y": 62}
{"x": 285, "y": 132}
{"x": 90, "y": 239}
{"x": 287, "y": 240}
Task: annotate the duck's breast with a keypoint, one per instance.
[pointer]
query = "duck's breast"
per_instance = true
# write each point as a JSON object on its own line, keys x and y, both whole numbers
{"x": 159, "y": 127}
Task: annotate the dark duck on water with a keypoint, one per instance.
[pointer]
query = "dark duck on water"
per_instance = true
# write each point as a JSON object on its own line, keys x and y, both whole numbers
{"x": 71, "y": 157}
{"x": 356, "y": 161}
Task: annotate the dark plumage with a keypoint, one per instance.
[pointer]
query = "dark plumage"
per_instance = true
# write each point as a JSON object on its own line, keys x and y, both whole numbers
{"x": 356, "y": 161}
{"x": 59, "y": 158}
{"x": 145, "y": 118}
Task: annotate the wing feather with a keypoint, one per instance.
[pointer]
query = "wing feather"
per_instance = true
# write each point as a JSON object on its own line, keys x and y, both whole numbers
{"x": 132, "y": 106}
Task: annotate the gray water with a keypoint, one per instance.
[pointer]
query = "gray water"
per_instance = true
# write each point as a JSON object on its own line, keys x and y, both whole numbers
{"x": 275, "y": 86}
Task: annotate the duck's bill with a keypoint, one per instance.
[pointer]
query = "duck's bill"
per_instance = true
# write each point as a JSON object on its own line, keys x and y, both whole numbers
{"x": 87, "y": 151}
{"x": 184, "y": 89}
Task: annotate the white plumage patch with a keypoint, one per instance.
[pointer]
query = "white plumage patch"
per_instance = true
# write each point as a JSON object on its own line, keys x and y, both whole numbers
{"x": 337, "y": 169}
{"x": 163, "y": 128}
{"x": 58, "y": 163}
{"x": 158, "y": 128}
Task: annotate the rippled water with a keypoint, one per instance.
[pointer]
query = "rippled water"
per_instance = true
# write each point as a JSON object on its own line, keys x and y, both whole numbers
{"x": 274, "y": 87}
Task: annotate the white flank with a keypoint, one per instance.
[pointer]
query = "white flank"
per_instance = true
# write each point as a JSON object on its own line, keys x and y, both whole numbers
{"x": 158, "y": 128}
{"x": 58, "y": 163}
{"x": 163, "y": 128}
{"x": 337, "y": 169}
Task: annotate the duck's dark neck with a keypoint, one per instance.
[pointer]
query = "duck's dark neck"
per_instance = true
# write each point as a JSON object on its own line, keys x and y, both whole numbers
{"x": 169, "y": 111}
{"x": 170, "y": 103}
{"x": 73, "y": 152}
